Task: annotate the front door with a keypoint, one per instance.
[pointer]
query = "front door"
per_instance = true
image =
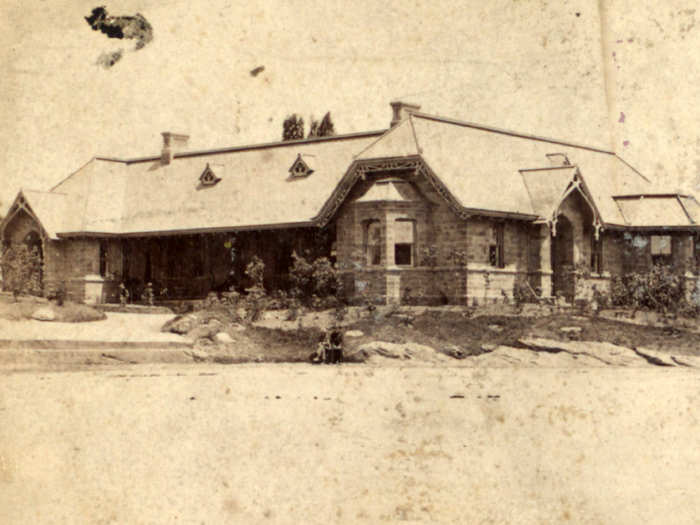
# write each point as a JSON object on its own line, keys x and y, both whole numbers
{"x": 563, "y": 260}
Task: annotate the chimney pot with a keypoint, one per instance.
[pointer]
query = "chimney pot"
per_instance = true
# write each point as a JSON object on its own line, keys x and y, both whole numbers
{"x": 401, "y": 111}
{"x": 172, "y": 143}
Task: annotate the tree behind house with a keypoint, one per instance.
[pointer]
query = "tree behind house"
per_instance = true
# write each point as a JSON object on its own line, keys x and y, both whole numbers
{"x": 293, "y": 128}
{"x": 325, "y": 128}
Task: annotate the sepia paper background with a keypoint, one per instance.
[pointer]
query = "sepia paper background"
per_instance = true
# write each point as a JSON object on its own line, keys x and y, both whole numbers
{"x": 623, "y": 76}
{"x": 615, "y": 73}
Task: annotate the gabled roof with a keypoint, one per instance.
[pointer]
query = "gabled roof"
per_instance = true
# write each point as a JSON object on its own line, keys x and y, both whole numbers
{"x": 480, "y": 164}
{"x": 478, "y": 169}
{"x": 255, "y": 189}
{"x": 49, "y": 209}
{"x": 546, "y": 187}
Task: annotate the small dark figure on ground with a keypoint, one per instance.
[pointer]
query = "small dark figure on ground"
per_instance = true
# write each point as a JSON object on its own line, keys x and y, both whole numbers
{"x": 123, "y": 295}
{"x": 148, "y": 295}
{"x": 330, "y": 348}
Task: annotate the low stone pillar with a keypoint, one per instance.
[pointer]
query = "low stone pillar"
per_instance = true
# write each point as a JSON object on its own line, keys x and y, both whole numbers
{"x": 94, "y": 289}
{"x": 393, "y": 288}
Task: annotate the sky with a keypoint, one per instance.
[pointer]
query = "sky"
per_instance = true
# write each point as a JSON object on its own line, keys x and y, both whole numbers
{"x": 619, "y": 74}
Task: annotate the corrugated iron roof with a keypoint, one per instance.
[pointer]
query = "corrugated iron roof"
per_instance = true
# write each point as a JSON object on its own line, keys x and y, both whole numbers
{"x": 256, "y": 188}
{"x": 484, "y": 168}
{"x": 653, "y": 211}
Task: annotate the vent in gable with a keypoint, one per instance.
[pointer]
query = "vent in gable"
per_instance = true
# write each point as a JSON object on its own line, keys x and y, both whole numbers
{"x": 208, "y": 177}
{"x": 300, "y": 168}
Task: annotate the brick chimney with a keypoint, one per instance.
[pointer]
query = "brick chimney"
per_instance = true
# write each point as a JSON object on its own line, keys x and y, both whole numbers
{"x": 172, "y": 143}
{"x": 401, "y": 111}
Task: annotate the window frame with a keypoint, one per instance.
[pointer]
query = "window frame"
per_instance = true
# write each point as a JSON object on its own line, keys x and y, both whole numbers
{"x": 496, "y": 248}
{"x": 412, "y": 245}
{"x": 369, "y": 247}
{"x": 663, "y": 259}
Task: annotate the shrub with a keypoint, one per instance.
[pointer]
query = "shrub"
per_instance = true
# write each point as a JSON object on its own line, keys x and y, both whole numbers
{"x": 659, "y": 290}
{"x": 21, "y": 270}
{"x": 429, "y": 256}
{"x": 316, "y": 283}
{"x": 256, "y": 300}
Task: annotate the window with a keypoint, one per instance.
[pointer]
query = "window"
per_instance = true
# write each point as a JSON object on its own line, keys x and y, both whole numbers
{"x": 208, "y": 177}
{"x": 103, "y": 259}
{"x": 373, "y": 242}
{"x": 300, "y": 168}
{"x": 596, "y": 255}
{"x": 404, "y": 235}
{"x": 496, "y": 248}
{"x": 661, "y": 250}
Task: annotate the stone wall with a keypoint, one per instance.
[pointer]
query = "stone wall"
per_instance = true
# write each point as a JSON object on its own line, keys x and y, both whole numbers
{"x": 451, "y": 253}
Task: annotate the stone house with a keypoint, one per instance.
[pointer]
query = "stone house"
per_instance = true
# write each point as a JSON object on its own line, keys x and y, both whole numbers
{"x": 430, "y": 210}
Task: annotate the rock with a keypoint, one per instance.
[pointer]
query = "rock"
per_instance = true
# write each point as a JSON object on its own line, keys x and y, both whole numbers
{"x": 206, "y": 331}
{"x": 495, "y": 328}
{"x": 44, "y": 313}
{"x": 656, "y": 357}
{"x": 181, "y": 324}
{"x": 237, "y": 328}
{"x": 454, "y": 351}
{"x": 573, "y": 332}
{"x": 354, "y": 333}
{"x": 197, "y": 354}
{"x": 399, "y": 351}
{"x": 686, "y": 360}
{"x": 606, "y": 353}
{"x": 488, "y": 347}
{"x": 223, "y": 337}
{"x": 571, "y": 329}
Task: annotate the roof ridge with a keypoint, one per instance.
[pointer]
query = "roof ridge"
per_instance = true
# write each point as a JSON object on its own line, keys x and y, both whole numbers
{"x": 632, "y": 168}
{"x": 46, "y": 192}
{"x": 466, "y": 124}
{"x": 249, "y": 147}
{"x": 549, "y": 168}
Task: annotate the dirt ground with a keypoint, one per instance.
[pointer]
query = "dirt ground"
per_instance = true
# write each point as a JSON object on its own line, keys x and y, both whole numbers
{"x": 354, "y": 444}
{"x": 443, "y": 330}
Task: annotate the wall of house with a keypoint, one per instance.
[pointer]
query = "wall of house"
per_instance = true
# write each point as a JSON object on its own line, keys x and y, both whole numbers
{"x": 437, "y": 274}
{"x": 452, "y": 254}
{"x": 490, "y": 283}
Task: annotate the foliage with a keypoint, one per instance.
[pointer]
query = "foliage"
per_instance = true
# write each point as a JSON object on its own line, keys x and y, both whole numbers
{"x": 256, "y": 301}
{"x": 323, "y": 129}
{"x": 293, "y": 128}
{"x": 316, "y": 284}
{"x": 255, "y": 270}
{"x": 429, "y": 256}
{"x": 659, "y": 289}
{"x": 21, "y": 270}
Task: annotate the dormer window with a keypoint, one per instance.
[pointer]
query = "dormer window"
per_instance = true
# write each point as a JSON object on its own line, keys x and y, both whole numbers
{"x": 300, "y": 168}
{"x": 208, "y": 177}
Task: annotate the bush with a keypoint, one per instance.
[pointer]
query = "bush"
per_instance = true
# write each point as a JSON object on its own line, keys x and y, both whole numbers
{"x": 21, "y": 270}
{"x": 256, "y": 300}
{"x": 316, "y": 284}
{"x": 659, "y": 290}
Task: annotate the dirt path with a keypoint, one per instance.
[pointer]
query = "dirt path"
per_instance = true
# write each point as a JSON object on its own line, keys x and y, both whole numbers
{"x": 351, "y": 444}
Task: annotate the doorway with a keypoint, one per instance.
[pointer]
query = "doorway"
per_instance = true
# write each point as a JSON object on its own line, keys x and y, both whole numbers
{"x": 563, "y": 268}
